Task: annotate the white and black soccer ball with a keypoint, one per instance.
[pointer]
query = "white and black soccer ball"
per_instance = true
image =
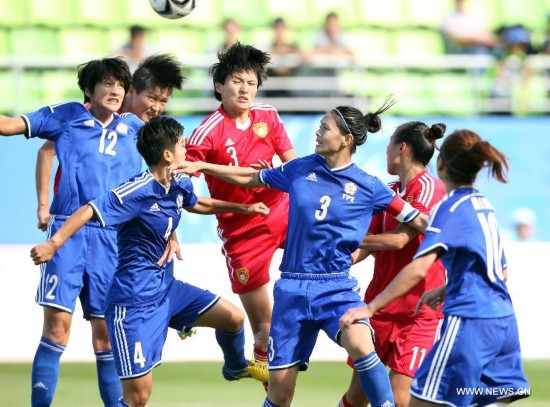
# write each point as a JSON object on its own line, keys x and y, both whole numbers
{"x": 173, "y": 9}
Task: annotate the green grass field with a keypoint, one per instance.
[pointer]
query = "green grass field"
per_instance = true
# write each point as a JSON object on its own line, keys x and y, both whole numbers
{"x": 201, "y": 385}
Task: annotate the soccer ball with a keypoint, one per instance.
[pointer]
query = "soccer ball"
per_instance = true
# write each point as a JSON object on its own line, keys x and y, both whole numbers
{"x": 172, "y": 8}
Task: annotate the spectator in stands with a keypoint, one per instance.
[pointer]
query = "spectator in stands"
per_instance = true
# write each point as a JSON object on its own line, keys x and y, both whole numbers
{"x": 136, "y": 49}
{"x": 232, "y": 30}
{"x": 286, "y": 56}
{"x": 524, "y": 224}
{"x": 330, "y": 49}
{"x": 330, "y": 40}
{"x": 465, "y": 33}
{"x": 512, "y": 74}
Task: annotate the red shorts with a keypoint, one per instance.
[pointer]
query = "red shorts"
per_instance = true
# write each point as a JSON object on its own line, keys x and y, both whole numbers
{"x": 402, "y": 344}
{"x": 248, "y": 252}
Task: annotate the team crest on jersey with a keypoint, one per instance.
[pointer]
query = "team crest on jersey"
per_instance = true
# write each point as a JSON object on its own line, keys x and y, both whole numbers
{"x": 242, "y": 275}
{"x": 89, "y": 123}
{"x": 260, "y": 129}
{"x": 409, "y": 199}
{"x": 350, "y": 189}
{"x": 122, "y": 128}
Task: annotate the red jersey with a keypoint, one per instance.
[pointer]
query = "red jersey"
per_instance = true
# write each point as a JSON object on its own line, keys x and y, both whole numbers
{"x": 221, "y": 140}
{"x": 422, "y": 192}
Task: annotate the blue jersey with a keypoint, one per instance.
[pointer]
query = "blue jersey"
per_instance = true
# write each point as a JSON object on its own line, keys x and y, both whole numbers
{"x": 146, "y": 214}
{"x": 464, "y": 227}
{"x": 329, "y": 212}
{"x": 94, "y": 158}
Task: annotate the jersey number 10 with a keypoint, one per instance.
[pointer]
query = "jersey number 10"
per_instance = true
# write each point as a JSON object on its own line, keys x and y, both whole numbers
{"x": 493, "y": 245}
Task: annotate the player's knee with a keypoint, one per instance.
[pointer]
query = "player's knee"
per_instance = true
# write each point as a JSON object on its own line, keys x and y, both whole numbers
{"x": 139, "y": 398}
{"x": 57, "y": 330}
{"x": 236, "y": 320}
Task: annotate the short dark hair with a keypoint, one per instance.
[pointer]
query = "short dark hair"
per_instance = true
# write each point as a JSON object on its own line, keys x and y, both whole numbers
{"x": 136, "y": 30}
{"x": 239, "y": 58}
{"x": 97, "y": 70}
{"x": 157, "y": 135}
{"x": 162, "y": 71}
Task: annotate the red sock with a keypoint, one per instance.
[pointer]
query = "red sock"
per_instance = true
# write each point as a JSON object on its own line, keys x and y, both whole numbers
{"x": 260, "y": 355}
{"x": 344, "y": 402}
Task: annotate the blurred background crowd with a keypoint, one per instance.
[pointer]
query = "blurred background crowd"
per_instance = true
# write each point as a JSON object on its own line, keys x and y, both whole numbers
{"x": 451, "y": 57}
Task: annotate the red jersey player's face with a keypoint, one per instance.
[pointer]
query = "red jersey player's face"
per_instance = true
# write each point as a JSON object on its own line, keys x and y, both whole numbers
{"x": 238, "y": 92}
{"x": 393, "y": 157}
{"x": 328, "y": 139}
{"x": 148, "y": 103}
{"x": 107, "y": 96}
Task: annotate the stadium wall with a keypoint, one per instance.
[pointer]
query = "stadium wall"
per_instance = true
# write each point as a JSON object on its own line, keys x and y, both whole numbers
{"x": 204, "y": 266}
{"x": 522, "y": 139}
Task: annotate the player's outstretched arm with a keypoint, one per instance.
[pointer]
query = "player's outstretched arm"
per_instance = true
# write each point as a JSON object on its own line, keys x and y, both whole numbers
{"x": 10, "y": 126}
{"x": 209, "y": 206}
{"x": 45, "y": 251}
{"x": 44, "y": 164}
{"x": 241, "y": 176}
{"x": 407, "y": 278}
{"x": 392, "y": 240}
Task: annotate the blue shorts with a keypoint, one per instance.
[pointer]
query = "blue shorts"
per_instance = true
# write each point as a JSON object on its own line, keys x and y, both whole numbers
{"x": 476, "y": 361}
{"x": 302, "y": 307}
{"x": 138, "y": 333}
{"x": 83, "y": 267}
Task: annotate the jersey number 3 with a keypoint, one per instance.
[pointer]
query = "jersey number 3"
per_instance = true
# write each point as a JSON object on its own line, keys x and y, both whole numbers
{"x": 321, "y": 213}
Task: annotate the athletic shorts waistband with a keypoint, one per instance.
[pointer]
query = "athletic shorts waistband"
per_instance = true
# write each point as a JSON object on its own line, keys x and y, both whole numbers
{"x": 92, "y": 223}
{"x": 311, "y": 276}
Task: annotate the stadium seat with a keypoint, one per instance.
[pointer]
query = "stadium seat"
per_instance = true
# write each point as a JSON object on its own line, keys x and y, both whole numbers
{"x": 409, "y": 90}
{"x": 253, "y": 14}
{"x": 60, "y": 86}
{"x": 207, "y": 14}
{"x": 33, "y": 41}
{"x": 14, "y": 14}
{"x": 100, "y": 13}
{"x": 488, "y": 11}
{"x": 386, "y": 13}
{"x": 417, "y": 42}
{"x": 527, "y": 13}
{"x": 4, "y": 43}
{"x": 51, "y": 13}
{"x": 346, "y": 10}
{"x": 450, "y": 93}
{"x": 23, "y": 93}
{"x": 417, "y": 15}
{"x": 86, "y": 43}
{"x": 180, "y": 41}
{"x": 297, "y": 14}
{"x": 368, "y": 43}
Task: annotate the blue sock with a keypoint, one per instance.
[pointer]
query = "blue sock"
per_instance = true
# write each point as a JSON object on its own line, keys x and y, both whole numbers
{"x": 109, "y": 384}
{"x": 268, "y": 403}
{"x": 122, "y": 403}
{"x": 45, "y": 370}
{"x": 374, "y": 380}
{"x": 232, "y": 344}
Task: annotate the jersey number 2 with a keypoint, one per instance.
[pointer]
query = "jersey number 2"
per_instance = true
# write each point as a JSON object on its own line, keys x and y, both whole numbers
{"x": 110, "y": 148}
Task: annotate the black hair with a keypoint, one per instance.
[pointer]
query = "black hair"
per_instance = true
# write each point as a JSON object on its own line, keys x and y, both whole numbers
{"x": 97, "y": 70}
{"x": 157, "y": 135}
{"x": 163, "y": 71}
{"x": 135, "y": 30}
{"x": 239, "y": 58}
{"x": 351, "y": 120}
{"x": 420, "y": 138}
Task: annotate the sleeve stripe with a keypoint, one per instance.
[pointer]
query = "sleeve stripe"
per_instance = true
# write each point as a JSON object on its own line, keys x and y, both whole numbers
{"x": 428, "y": 185}
{"x": 430, "y": 249}
{"x": 432, "y": 229}
{"x": 28, "y": 133}
{"x": 200, "y": 133}
{"x": 261, "y": 177}
{"x": 97, "y": 213}
{"x": 131, "y": 186}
